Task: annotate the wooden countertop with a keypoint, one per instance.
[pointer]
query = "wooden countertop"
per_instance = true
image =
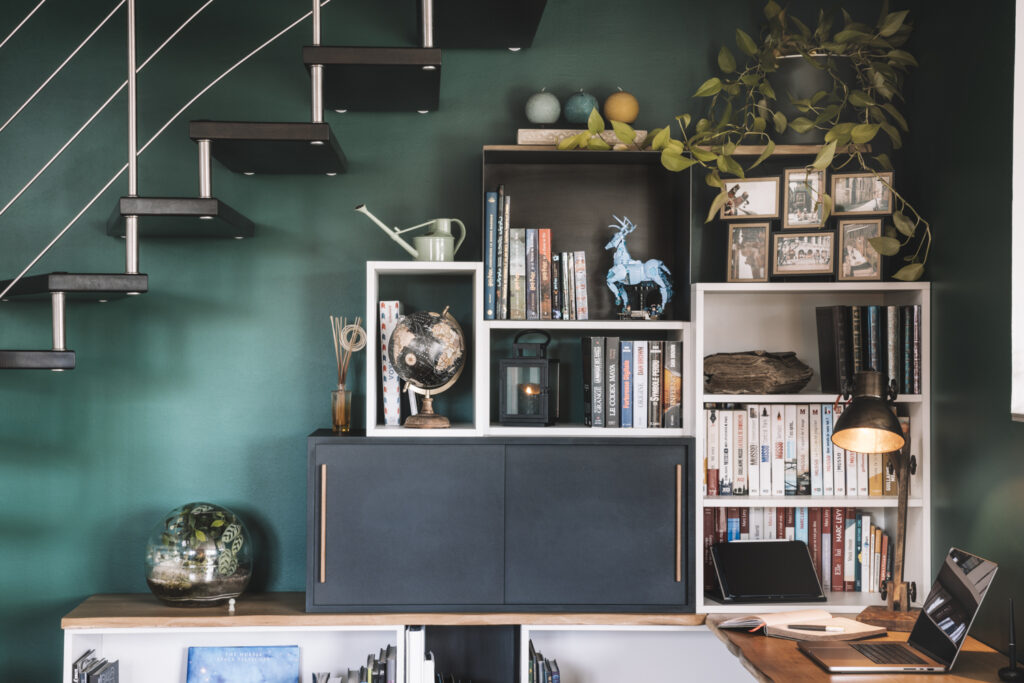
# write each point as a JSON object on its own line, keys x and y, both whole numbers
{"x": 776, "y": 660}
{"x": 142, "y": 610}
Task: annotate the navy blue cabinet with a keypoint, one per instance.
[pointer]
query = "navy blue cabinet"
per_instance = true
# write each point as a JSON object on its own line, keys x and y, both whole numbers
{"x": 452, "y": 524}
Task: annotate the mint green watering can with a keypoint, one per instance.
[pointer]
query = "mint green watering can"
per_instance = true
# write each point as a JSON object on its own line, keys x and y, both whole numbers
{"x": 437, "y": 245}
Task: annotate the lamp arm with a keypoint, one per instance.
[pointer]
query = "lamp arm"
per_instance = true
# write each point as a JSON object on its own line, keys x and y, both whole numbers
{"x": 898, "y": 597}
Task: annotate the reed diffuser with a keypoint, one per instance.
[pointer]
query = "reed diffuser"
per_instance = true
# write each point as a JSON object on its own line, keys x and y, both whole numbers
{"x": 348, "y": 338}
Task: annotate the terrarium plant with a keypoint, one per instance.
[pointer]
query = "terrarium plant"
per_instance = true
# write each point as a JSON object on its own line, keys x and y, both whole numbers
{"x": 853, "y": 112}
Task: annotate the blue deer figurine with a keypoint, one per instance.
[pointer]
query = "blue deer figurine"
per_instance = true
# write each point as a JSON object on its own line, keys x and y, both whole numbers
{"x": 627, "y": 270}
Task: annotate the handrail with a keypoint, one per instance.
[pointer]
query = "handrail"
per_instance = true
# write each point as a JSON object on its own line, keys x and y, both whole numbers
{"x": 21, "y": 23}
{"x": 149, "y": 142}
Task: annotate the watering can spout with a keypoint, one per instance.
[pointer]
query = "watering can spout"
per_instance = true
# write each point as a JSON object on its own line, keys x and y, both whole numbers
{"x": 392, "y": 233}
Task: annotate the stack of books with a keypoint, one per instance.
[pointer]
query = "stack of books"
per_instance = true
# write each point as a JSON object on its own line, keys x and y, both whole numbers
{"x": 851, "y": 553}
{"x": 523, "y": 278}
{"x": 783, "y": 449}
{"x": 856, "y": 338}
{"x": 381, "y": 668}
{"x": 91, "y": 669}
{"x": 636, "y": 384}
{"x": 541, "y": 669}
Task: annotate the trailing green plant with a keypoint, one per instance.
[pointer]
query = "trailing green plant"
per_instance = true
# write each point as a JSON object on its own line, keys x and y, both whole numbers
{"x": 861, "y": 104}
{"x": 591, "y": 137}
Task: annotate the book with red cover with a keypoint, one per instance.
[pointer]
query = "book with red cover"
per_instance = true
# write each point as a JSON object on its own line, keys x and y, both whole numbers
{"x": 544, "y": 263}
{"x": 721, "y": 525}
{"x": 790, "y": 524}
{"x": 814, "y": 538}
{"x": 744, "y": 524}
{"x": 851, "y": 528}
{"x": 780, "y": 523}
{"x": 838, "y": 548}
{"x": 826, "y": 549}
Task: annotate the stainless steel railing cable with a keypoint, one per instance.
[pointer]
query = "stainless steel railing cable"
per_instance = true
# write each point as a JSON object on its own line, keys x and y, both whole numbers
{"x": 148, "y": 142}
{"x": 22, "y": 23}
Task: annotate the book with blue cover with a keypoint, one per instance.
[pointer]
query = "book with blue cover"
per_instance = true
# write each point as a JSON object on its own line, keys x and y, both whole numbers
{"x": 490, "y": 256}
{"x": 247, "y": 664}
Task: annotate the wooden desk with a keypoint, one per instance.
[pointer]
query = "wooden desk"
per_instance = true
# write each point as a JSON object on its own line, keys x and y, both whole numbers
{"x": 776, "y": 660}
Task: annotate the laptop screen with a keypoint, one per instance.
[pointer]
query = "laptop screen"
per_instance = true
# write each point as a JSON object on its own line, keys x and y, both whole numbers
{"x": 951, "y": 605}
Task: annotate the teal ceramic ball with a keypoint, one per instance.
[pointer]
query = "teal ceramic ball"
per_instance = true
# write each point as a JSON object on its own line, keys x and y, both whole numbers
{"x": 543, "y": 107}
{"x": 579, "y": 106}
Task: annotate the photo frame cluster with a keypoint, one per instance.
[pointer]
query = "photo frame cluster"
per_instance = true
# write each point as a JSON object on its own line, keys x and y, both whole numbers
{"x": 802, "y": 246}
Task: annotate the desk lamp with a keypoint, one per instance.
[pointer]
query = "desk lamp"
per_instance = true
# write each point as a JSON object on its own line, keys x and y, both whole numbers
{"x": 869, "y": 425}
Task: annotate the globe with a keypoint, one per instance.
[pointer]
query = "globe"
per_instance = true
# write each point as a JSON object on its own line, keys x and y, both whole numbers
{"x": 428, "y": 351}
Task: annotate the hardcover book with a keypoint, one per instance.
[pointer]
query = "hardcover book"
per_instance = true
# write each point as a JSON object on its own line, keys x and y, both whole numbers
{"x": 587, "y": 365}
{"x": 838, "y": 549}
{"x": 672, "y": 384}
{"x": 532, "y": 275}
{"x": 612, "y": 391}
{"x": 725, "y": 465}
{"x": 556, "y": 287}
{"x": 544, "y": 267}
{"x": 791, "y": 468}
{"x": 268, "y": 664}
{"x": 517, "y": 274}
{"x": 827, "y": 458}
{"x": 857, "y": 344}
{"x": 711, "y": 450}
{"x": 814, "y": 423}
{"x": 654, "y": 362}
{"x": 580, "y": 268}
{"x": 568, "y": 287}
{"x": 391, "y": 394}
{"x": 739, "y": 448}
{"x": 834, "y": 339}
{"x": 764, "y": 444}
{"x": 490, "y": 249}
{"x": 501, "y": 271}
{"x": 892, "y": 344}
{"x": 626, "y": 383}
{"x": 874, "y": 339}
{"x": 753, "y": 451}
{"x": 803, "y": 452}
{"x": 640, "y": 379}
{"x": 778, "y": 450}
{"x": 597, "y": 391}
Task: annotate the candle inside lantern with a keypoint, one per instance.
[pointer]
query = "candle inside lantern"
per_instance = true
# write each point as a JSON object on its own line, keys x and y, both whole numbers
{"x": 529, "y": 399}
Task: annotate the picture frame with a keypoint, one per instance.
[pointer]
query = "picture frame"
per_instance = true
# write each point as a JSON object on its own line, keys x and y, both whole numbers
{"x": 802, "y": 205}
{"x": 751, "y": 198}
{"x": 748, "y": 253}
{"x": 857, "y": 259}
{"x": 862, "y": 193}
{"x": 803, "y": 253}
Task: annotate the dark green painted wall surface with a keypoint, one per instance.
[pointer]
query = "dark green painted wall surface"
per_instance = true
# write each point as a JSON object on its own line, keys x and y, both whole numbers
{"x": 205, "y": 388}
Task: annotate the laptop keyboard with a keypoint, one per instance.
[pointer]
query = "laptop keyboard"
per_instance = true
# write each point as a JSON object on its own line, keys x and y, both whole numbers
{"x": 888, "y": 653}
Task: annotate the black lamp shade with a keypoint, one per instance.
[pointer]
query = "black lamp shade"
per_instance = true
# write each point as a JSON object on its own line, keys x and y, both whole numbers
{"x": 868, "y": 424}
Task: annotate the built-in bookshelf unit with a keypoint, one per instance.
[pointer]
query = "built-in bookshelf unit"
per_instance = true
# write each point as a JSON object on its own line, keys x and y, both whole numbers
{"x": 777, "y": 317}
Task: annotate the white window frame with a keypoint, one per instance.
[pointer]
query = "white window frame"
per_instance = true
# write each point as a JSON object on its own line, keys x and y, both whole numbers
{"x": 1017, "y": 262}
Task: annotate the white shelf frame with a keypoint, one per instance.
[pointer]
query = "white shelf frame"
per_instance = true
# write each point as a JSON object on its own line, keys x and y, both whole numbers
{"x": 718, "y": 308}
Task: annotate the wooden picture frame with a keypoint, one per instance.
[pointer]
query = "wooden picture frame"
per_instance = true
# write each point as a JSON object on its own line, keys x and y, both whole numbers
{"x": 862, "y": 193}
{"x": 857, "y": 259}
{"x": 751, "y": 198}
{"x": 802, "y": 205}
{"x": 795, "y": 254}
{"x": 747, "y": 260}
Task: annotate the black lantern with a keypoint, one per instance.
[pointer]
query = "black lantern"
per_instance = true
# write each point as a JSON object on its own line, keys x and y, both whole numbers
{"x": 528, "y": 385}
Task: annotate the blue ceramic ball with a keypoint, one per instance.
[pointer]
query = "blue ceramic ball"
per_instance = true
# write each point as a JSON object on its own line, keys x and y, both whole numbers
{"x": 543, "y": 107}
{"x": 579, "y": 106}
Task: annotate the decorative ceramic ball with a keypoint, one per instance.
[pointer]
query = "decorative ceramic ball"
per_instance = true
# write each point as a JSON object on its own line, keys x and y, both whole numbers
{"x": 543, "y": 107}
{"x": 621, "y": 106}
{"x": 579, "y": 106}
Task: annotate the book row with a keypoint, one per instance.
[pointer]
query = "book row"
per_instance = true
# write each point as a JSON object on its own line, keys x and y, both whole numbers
{"x": 523, "y": 278}
{"x": 849, "y": 549}
{"x": 856, "y": 338}
{"x": 542, "y": 669}
{"x": 637, "y": 384}
{"x": 786, "y": 449}
{"x": 92, "y": 669}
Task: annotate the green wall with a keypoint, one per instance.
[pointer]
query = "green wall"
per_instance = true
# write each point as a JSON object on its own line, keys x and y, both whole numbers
{"x": 206, "y": 387}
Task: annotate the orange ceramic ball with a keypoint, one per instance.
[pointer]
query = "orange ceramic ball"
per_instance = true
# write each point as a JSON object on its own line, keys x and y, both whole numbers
{"x": 621, "y": 106}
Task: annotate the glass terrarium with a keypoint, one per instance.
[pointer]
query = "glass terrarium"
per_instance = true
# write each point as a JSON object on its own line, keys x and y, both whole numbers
{"x": 200, "y": 554}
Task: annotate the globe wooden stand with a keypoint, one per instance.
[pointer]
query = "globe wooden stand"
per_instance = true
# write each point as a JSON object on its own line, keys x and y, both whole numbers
{"x": 427, "y": 418}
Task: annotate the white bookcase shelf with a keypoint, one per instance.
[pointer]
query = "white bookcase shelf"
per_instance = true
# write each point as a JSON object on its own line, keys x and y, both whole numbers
{"x": 729, "y": 317}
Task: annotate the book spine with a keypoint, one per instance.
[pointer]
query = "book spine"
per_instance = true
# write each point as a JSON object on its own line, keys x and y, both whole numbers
{"x": 655, "y": 351}
{"x": 874, "y": 339}
{"x": 833, "y": 325}
{"x": 556, "y": 286}
{"x": 753, "y": 451}
{"x": 672, "y": 385}
{"x": 803, "y": 451}
{"x": 778, "y": 450}
{"x": 916, "y": 313}
{"x": 626, "y": 383}
{"x": 838, "y": 548}
{"x": 800, "y": 526}
{"x": 744, "y": 524}
{"x": 587, "y": 364}
{"x": 827, "y": 462}
{"x": 816, "y": 448}
{"x": 850, "y": 544}
{"x": 764, "y": 444}
{"x": 862, "y": 474}
{"x": 391, "y": 394}
{"x": 876, "y": 551}
{"x": 826, "y": 549}
{"x": 907, "y": 339}
{"x": 883, "y": 561}
{"x": 780, "y": 523}
{"x": 501, "y": 259}
{"x": 790, "y": 532}
{"x": 709, "y": 540}
{"x": 598, "y": 398}
{"x": 732, "y": 519}
{"x": 612, "y": 391}
{"x": 892, "y": 344}
{"x": 791, "y": 468}
{"x": 580, "y": 266}
{"x": 517, "y": 272}
{"x": 874, "y": 474}
{"x": 711, "y": 450}
{"x": 505, "y": 212}
{"x": 769, "y": 524}
{"x": 544, "y": 266}
{"x": 838, "y": 459}
{"x": 725, "y": 452}
{"x": 532, "y": 275}
{"x": 568, "y": 287}
{"x": 739, "y": 452}
{"x": 490, "y": 248}
{"x": 856, "y": 340}
{"x": 640, "y": 380}
{"x": 756, "y": 524}
{"x": 851, "y": 473}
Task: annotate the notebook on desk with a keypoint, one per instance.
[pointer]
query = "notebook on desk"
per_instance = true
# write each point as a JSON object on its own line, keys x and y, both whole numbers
{"x": 939, "y": 632}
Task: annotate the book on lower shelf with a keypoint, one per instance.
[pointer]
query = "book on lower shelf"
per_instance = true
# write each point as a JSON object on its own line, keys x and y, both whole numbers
{"x": 818, "y": 625}
{"x": 540, "y": 669}
{"x": 634, "y": 384}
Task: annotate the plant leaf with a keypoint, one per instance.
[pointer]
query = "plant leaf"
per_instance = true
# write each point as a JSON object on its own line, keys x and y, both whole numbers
{"x": 712, "y": 180}
{"x": 771, "y": 10}
{"x": 864, "y": 132}
{"x": 660, "y": 139}
{"x": 840, "y": 133}
{"x": 726, "y": 62}
{"x": 595, "y": 124}
{"x": 886, "y": 246}
{"x": 902, "y": 56}
{"x": 200, "y": 536}
{"x": 825, "y": 156}
{"x": 884, "y": 162}
{"x": 674, "y": 161}
{"x": 766, "y": 89}
{"x": 827, "y": 205}
{"x": 893, "y": 134}
{"x": 704, "y": 154}
{"x": 895, "y": 113}
{"x": 726, "y": 164}
{"x": 568, "y": 142}
{"x": 703, "y": 125}
{"x": 909, "y": 273}
{"x": 859, "y": 98}
{"x": 720, "y": 199}
{"x": 780, "y": 122}
{"x": 852, "y": 36}
{"x": 597, "y": 143}
{"x": 624, "y": 132}
{"x": 892, "y": 23}
{"x": 710, "y": 87}
{"x": 801, "y": 124}
{"x": 685, "y": 120}
{"x": 903, "y": 224}
{"x": 769, "y": 149}
{"x": 758, "y": 124}
{"x": 745, "y": 43}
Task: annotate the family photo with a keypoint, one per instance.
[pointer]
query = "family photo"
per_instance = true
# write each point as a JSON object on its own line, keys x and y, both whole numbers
{"x": 804, "y": 208}
{"x": 748, "y": 253}
{"x": 860, "y": 261}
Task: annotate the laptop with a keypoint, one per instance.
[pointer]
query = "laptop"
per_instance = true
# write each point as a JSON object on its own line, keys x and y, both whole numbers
{"x": 938, "y": 634}
{"x": 764, "y": 571}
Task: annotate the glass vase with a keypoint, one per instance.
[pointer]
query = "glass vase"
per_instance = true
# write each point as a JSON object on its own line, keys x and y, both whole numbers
{"x": 341, "y": 410}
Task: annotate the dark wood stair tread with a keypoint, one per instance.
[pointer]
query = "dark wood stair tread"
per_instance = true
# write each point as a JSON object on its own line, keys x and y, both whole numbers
{"x": 378, "y": 78}
{"x": 180, "y": 217}
{"x": 37, "y": 360}
{"x": 272, "y": 147}
{"x": 483, "y": 24}
{"x": 79, "y": 286}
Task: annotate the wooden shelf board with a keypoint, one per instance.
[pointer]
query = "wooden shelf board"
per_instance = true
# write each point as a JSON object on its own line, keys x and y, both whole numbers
{"x": 803, "y": 287}
{"x": 807, "y": 501}
{"x": 543, "y": 154}
{"x": 634, "y": 325}
{"x": 378, "y": 78}
{"x": 142, "y": 610}
{"x": 424, "y": 267}
{"x": 791, "y": 398}
{"x": 837, "y": 602}
{"x": 272, "y": 148}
